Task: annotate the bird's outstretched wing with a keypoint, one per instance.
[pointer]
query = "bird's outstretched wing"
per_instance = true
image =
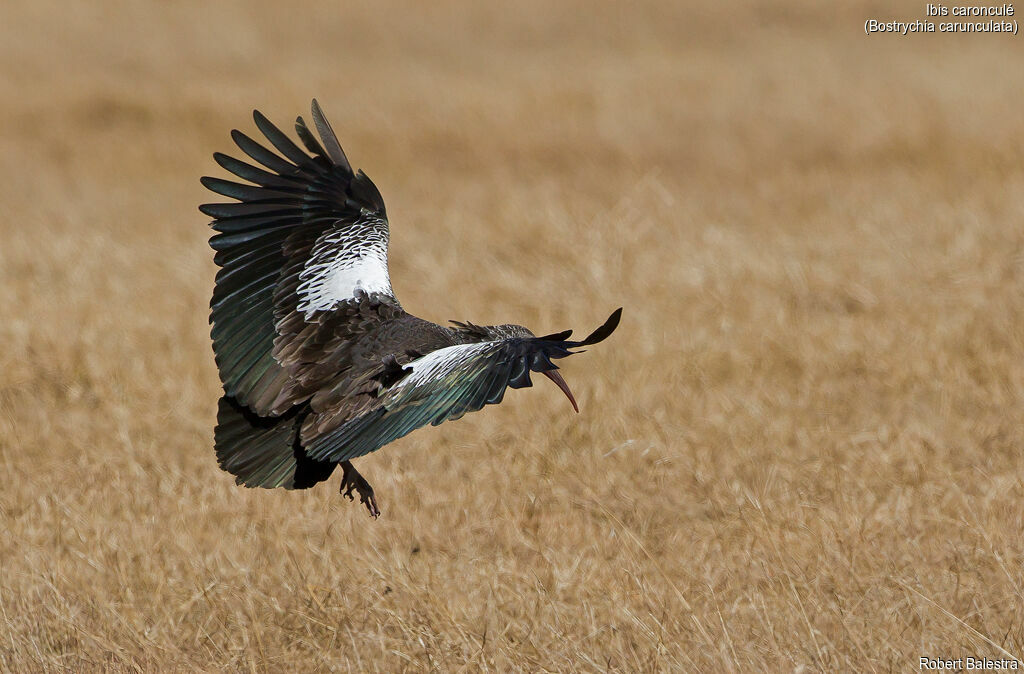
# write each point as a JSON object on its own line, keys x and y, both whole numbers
{"x": 303, "y": 256}
{"x": 442, "y": 385}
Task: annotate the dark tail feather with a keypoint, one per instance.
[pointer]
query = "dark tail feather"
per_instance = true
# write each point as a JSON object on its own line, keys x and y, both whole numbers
{"x": 265, "y": 451}
{"x": 593, "y": 338}
{"x": 602, "y": 332}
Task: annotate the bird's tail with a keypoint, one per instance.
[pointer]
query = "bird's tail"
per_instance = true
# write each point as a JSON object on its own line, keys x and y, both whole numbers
{"x": 265, "y": 451}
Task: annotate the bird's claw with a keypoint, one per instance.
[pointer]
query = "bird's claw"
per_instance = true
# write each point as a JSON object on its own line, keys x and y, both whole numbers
{"x": 365, "y": 497}
{"x": 353, "y": 481}
{"x": 371, "y": 504}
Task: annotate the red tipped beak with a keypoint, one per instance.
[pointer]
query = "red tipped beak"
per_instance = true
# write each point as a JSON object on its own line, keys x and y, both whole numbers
{"x": 557, "y": 378}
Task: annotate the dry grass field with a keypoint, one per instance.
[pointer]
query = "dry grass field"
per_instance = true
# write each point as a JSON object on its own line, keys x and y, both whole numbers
{"x": 803, "y": 449}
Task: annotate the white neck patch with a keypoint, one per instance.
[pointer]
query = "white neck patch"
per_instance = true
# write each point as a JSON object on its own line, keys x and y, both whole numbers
{"x": 439, "y": 363}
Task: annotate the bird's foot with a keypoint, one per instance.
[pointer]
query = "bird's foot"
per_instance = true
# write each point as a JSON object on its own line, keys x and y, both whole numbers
{"x": 351, "y": 481}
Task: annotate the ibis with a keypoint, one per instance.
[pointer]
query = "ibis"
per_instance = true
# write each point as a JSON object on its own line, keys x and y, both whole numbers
{"x": 319, "y": 362}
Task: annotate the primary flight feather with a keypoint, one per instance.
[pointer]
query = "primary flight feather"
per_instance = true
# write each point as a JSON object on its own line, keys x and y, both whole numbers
{"x": 320, "y": 364}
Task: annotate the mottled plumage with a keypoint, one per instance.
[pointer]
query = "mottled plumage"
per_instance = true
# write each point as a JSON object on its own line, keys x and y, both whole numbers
{"x": 320, "y": 364}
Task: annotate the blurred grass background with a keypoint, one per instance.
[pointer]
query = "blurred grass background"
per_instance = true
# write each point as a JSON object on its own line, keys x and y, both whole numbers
{"x": 801, "y": 450}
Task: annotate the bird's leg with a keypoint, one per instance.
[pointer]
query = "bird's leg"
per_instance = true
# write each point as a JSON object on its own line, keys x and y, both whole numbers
{"x": 351, "y": 479}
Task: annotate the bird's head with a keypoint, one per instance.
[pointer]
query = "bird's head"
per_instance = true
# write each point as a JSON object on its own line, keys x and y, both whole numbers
{"x": 538, "y": 352}
{"x": 558, "y": 345}
{"x": 540, "y": 364}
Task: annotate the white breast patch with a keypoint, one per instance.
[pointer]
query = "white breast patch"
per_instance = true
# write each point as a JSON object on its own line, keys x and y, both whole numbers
{"x": 343, "y": 260}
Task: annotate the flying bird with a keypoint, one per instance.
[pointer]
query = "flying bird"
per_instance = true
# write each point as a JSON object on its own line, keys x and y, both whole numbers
{"x": 320, "y": 364}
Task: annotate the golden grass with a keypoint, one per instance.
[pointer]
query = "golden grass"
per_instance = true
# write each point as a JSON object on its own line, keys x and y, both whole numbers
{"x": 802, "y": 450}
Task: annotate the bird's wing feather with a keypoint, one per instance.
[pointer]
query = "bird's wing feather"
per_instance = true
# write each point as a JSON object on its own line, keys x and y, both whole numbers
{"x": 303, "y": 247}
{"x": 440, "y": 386}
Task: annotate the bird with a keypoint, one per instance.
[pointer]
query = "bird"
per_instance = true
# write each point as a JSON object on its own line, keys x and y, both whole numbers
{"x": 319, "y": 362}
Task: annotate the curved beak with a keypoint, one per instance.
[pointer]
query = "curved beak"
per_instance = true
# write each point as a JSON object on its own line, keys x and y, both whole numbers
{"x": 557, "y": 378}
